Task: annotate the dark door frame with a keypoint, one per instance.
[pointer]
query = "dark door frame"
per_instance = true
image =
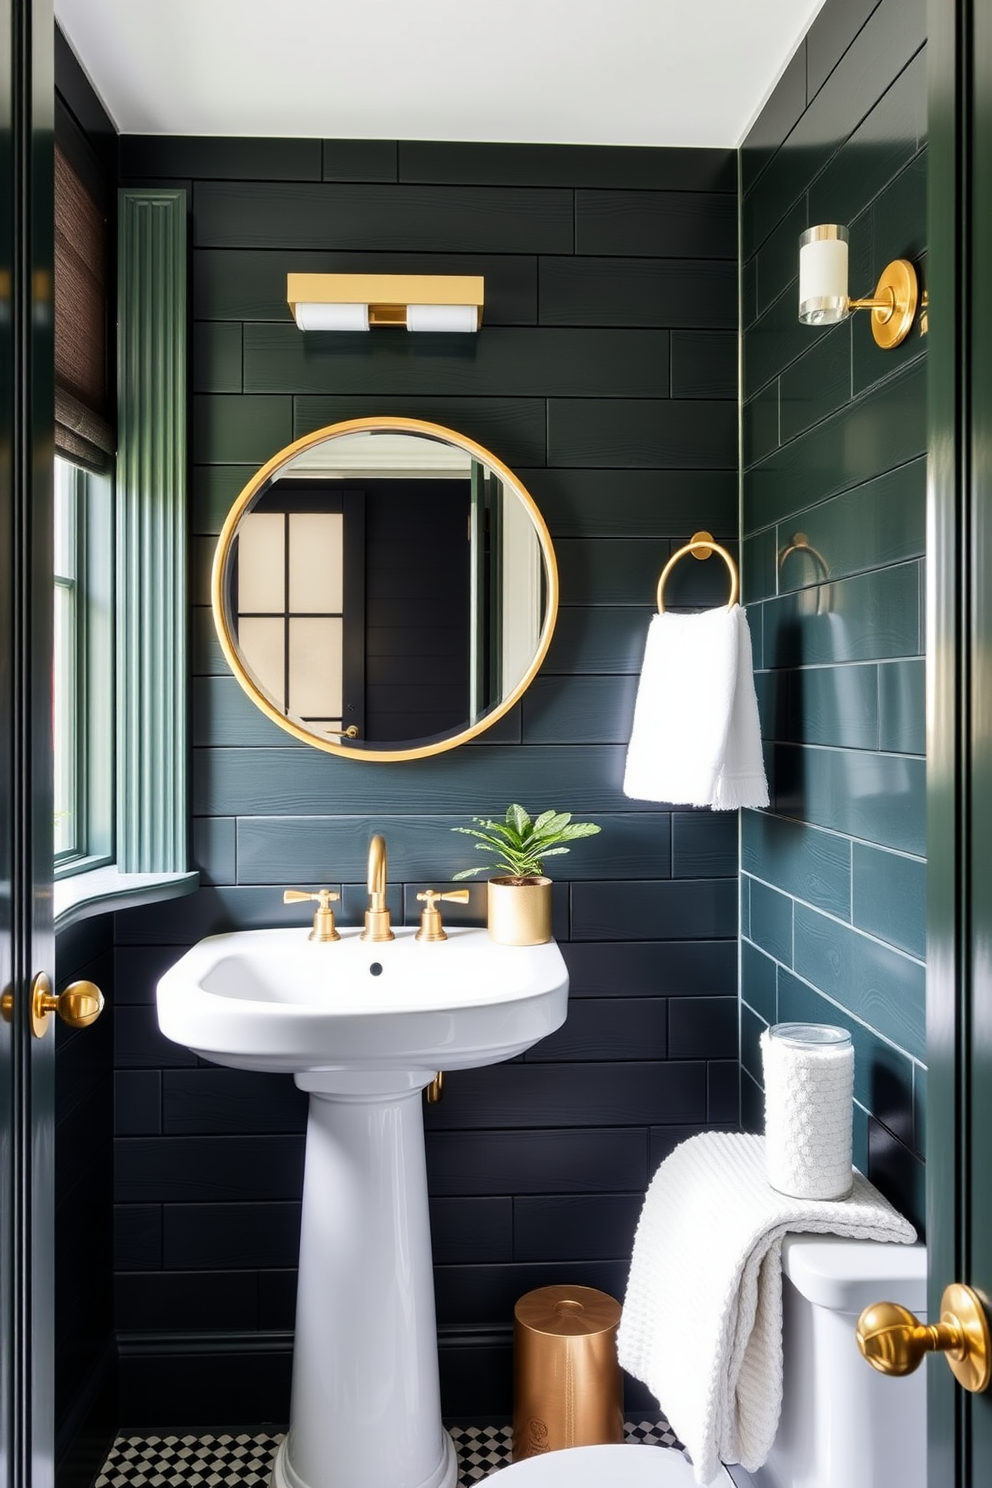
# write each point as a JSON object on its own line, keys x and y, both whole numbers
{"x": 959, "y": 741}
{"x": 27, "y": 104}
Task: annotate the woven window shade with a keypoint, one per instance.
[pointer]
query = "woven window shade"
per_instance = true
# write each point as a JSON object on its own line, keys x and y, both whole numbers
{"x": 83, "y": 428}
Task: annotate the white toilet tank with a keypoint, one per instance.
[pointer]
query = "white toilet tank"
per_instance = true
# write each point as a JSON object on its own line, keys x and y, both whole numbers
{"x": 843, "y": 1424}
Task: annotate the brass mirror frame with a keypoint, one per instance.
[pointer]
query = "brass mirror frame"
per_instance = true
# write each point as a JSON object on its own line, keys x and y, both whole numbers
{"x": 270, "y": 469}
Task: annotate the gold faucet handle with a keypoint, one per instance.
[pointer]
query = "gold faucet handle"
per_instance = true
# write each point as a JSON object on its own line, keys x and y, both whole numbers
{"x": 431, "y": 928}
{"x": 296, "y": 896}
{"x": 324, "y": 928}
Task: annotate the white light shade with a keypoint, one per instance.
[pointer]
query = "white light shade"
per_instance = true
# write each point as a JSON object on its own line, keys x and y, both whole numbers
{"x": 442, "y": 318}
{"x": 823, "y": 296}
{"x": 332, "y": 317}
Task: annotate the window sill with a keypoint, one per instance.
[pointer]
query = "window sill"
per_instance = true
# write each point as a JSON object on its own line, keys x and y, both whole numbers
{"x": 103, "y": 889}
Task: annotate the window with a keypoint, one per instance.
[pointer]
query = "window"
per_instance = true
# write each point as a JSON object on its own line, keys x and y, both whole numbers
{"x": 83, "y": 677}
{"x": 120, "y": 682}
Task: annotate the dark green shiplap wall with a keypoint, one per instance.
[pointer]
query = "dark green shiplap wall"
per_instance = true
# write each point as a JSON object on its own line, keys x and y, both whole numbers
{"x": 833, "y": 874}
{"x": 605, "y": 375}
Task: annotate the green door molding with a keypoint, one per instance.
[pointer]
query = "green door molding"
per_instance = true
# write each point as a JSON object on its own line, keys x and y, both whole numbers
{"x": 959, "y": 744}
{"x": 152, "y": 772}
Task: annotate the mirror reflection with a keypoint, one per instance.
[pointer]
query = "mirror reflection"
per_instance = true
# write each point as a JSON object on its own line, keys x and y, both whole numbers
{"x": 385, "y": 588}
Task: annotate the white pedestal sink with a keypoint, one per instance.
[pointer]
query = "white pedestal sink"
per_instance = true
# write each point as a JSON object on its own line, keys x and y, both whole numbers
{"x": 363, "y": 1026}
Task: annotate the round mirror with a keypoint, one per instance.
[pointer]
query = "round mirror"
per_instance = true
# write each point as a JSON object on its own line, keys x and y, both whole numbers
{"x": 384, "y": 588}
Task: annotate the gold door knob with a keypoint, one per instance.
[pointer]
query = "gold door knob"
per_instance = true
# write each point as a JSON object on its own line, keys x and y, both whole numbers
{"x": 894, "y": 1341}
{"x": 79, "y": 1005}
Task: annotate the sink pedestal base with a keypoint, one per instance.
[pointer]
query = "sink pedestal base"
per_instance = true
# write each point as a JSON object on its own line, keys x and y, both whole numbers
{"x": 366, "y": 1409}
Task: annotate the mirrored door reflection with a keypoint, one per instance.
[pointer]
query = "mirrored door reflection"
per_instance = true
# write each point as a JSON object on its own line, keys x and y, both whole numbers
{"x": 351, "y": 606}
{"x": 299, "y": 603}
{"x": 385, "y": 588}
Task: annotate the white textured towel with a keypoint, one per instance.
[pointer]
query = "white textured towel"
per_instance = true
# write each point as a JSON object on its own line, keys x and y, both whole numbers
{"x": 696, "y": 739}
{"x": 702, "y": 1319}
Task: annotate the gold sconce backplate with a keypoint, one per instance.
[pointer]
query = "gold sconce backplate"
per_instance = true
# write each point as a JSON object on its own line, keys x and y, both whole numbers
{"x": 893, "y": 305}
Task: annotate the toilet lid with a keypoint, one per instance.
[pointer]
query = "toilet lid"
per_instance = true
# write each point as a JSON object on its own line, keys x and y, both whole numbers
{"x": 626, "y": 1465}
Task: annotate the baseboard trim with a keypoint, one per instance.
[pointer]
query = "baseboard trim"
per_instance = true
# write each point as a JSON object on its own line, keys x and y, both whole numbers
{"x": 166, "y": 1345}
{"x": 133, "y": 1345}
{"x": 172, "y": 1376}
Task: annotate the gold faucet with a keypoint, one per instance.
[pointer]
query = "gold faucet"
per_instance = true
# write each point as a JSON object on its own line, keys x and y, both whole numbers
{"x": 377, "y": 915}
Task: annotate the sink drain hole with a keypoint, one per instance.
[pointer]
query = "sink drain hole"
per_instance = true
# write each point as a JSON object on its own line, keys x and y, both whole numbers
{"x": 376, "y": 968}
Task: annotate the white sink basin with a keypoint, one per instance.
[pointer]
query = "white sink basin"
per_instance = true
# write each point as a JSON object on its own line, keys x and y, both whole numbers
{"x": 274, "y": 1000}
{"x": 363, "y": 1026}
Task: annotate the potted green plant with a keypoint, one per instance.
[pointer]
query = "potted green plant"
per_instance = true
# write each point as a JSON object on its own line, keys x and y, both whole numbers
{"x": 520, "y": 896}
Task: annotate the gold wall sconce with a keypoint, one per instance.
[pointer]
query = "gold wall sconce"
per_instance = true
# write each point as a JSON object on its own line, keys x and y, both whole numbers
{"x": 823, "y": 296}
{"x": 356, "y": 302}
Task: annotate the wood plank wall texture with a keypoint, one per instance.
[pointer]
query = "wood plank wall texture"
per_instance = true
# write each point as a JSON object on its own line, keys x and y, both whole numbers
{"x": 606, "y": 376}
{"x": 834, "y": 876}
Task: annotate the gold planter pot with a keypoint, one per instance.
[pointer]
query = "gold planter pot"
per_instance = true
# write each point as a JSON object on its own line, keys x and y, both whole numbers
{"x": 520, "y": 911}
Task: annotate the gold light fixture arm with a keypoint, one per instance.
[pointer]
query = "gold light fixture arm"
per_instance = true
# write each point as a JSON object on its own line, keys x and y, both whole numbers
{"x": 895, "y": 1342}
{"x": 700, "y": 546}
{"x": 893, "y": 305}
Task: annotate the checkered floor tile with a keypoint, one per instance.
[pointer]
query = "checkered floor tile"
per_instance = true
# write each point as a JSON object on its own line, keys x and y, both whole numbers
{"x": 188, "y": 1462}
{"x": 244, "y": 1460}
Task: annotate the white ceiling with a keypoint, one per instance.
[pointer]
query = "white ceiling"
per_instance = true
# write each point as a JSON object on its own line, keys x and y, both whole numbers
{"x": 610, "y": 72}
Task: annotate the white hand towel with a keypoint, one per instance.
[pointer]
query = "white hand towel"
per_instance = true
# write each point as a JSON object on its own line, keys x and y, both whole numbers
{"x": 695, "y": 738}
{"x": 741, "y": 779}
{"x": 702, "y": 1319}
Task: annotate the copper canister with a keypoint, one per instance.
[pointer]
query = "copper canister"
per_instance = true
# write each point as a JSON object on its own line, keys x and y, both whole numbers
{"x": 567, "y": 1389}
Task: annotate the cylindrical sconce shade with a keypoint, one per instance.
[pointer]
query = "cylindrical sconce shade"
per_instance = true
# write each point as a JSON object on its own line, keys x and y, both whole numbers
{"x": 823, "y": 297}
{"x": 331, "y": 317}
{"x": 442, "y": 318}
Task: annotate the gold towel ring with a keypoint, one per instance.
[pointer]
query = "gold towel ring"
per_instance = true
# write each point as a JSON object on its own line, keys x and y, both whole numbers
{"x": 701, "y": 546}
{"x": 801, "y": 544}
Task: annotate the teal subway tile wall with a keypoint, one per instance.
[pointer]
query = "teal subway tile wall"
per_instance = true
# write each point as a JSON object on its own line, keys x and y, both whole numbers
{"x": 834, "y": 873}
{"x": 605, "y": 375}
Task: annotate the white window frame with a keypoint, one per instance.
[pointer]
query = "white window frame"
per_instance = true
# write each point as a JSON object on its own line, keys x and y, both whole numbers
{"x": 83, "y": 668}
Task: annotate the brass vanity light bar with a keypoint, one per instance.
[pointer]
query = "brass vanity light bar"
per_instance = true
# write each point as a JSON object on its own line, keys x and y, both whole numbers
{"x": 356, "y": 302}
